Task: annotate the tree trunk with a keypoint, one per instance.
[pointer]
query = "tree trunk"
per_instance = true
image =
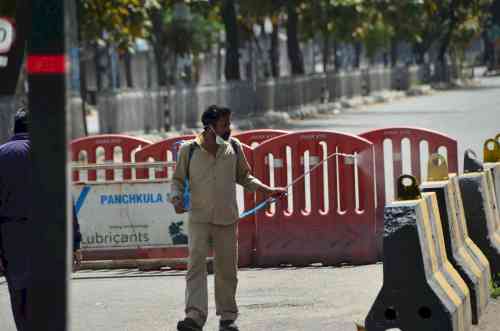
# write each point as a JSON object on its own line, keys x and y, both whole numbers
{"x": 128, "y": 70}
{"x": 83, "y": 94}
{"x": 160, "y": 66}
{"x": 274, "y": 53}
{"x": 83, "y": 69}
{"x": 110, "y": 69}
{"x": 219, "y": 63}
{"x": 98, "y": 68}
{"x": 157, "y": 42}
{"x": 294, "y": 52}
{"x": 489, "y": 50}
{"x": 443, "y": 49}
{"x": 445, "y": 44}
{"x": 336, "y": 60}
{"x": 232, "y": 69}
{"x": 394, "y": 52}
{"x": 357, "y": 57}
{"x": 420, "y": 50}
{"x": 326, "y": 51}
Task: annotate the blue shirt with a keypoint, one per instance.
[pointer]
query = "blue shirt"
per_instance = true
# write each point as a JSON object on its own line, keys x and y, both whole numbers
{"x": 15, "y": 210}
{"x": 15, "y": 179}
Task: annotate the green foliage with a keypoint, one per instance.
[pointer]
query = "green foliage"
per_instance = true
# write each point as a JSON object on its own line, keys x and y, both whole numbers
{"x": 255, "y": 11}
{"x": 451, "y": 23}
{"x": 495, "y": 288}
{"x": 341, "y": 19}
{"x": 117, "y": 22}
{"x": 376, "y": 34}
{"x": 193, "y": 36}
{"x": 194, "y": 33}
{"x": 347, "y": 21}
{"x": 408, "y": 19}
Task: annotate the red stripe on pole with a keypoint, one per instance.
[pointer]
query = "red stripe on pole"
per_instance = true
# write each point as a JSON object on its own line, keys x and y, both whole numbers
{"x": 47, "y": 64}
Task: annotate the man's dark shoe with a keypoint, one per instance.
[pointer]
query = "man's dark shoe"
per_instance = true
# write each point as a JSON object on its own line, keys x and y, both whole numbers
{"x": 188, "y": 324}
{"x": 228, "y": 326}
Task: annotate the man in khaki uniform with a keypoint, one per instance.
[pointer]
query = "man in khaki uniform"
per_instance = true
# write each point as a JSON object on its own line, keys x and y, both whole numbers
{"x": 213, "y": 167}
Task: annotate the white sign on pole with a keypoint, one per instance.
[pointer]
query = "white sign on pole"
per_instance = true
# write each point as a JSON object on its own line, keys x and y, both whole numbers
{"x": 6, "y": 35}
{"x": 128, "y": 215}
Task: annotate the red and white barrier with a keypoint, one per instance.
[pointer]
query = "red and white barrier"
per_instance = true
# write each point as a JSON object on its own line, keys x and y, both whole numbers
{"x": 162, "y": 151}
{"x": 256, "y": 137}
{"x": 336, "y": 223}
{"x": 87, "y": 149}
{"x": 411, "y": 160}
{"x": 333, "y": 215}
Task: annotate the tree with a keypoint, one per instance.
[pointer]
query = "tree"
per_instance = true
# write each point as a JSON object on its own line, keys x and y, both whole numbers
{"x": 256, "y": 12}
{"x": 113, "y": 24}
{"x": 461, "y": 20}
{"x": 409, "y": 22}
{"x": 491, "y": 32}
{"x": 229, "y": 16}
{"x": 445, "y": 23}
{"x": 116, "y": 22}
{"x": 335, "y": 21}
{"x": 189, "y": 34}
{"x": 375, "y": 33}
{"x": 292, "y": 31}
{"x": 258, "y": 9}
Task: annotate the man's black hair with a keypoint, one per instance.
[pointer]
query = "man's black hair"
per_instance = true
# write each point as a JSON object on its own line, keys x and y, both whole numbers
{"x": 21, "y": 120}
{"x": 212, "y": 114}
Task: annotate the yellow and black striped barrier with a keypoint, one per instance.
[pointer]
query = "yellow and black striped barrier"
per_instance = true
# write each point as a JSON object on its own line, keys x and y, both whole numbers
{"x": 492, "y": 166}
{"x": 461, "y": 251}
{"x": 481, "y": 213}
{"x": 422, "y": 290}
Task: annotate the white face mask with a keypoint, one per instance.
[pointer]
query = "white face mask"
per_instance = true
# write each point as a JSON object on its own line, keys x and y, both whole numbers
{"x": 218, "y": 139}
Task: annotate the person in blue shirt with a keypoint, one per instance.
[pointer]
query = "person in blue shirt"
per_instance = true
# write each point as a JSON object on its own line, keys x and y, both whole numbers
{"x": 16, "y": 217}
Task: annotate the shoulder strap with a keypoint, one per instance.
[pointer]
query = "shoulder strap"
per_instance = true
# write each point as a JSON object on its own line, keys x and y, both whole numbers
{"x": 192, "y": 147}
{"x": 234, "y": 144}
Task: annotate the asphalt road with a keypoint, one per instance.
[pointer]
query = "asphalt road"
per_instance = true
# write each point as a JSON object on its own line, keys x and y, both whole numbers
{"x": 469, "y": 115}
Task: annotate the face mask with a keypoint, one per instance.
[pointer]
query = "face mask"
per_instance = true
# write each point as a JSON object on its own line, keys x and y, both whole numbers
{"x": 218, "y": 139}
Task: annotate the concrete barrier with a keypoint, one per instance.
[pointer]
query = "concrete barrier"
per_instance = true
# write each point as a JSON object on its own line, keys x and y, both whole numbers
{"x": 463, "y": 253}
{"x": 422, "y": 290}
{"x": 482, "y": 215}
{"x": 494, "y": 168}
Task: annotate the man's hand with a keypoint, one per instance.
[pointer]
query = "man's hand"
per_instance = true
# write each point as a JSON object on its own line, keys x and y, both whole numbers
{"x": 274, "y": 192}
{"x": 178, "y": 205}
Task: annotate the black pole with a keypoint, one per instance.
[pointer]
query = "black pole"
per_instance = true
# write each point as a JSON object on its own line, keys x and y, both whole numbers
{"x": 49, "y": 129}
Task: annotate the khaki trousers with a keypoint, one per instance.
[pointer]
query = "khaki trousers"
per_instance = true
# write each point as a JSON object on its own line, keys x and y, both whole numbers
{"x": 225, "y": 245}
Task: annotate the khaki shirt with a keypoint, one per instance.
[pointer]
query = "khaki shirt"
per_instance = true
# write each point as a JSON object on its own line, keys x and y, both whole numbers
{"x": 212, "y": 181}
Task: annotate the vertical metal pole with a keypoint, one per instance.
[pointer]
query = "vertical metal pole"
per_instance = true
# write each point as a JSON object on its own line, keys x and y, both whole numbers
{"x": 47, "y": 68}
